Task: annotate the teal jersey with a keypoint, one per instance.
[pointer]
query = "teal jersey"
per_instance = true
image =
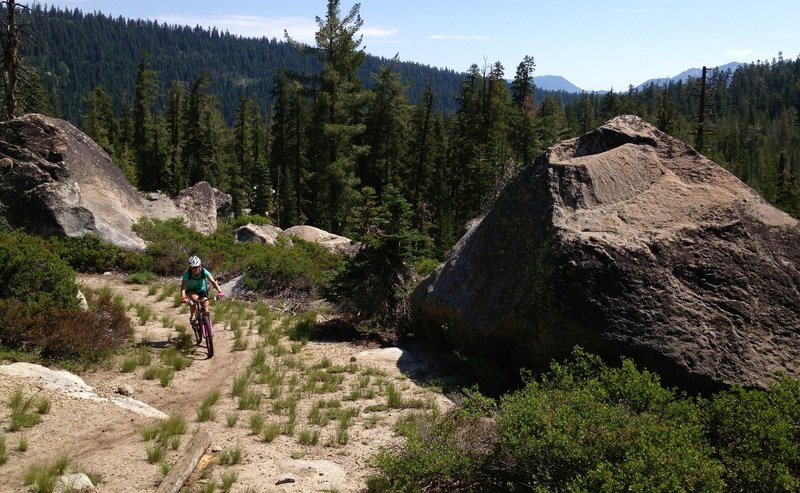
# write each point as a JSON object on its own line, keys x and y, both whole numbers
{"x": 196, "y": 284}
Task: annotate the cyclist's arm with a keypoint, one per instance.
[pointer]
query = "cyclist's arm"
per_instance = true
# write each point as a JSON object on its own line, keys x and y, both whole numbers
{"x": 214, "y": 283}
{"x": 183, "y": 289}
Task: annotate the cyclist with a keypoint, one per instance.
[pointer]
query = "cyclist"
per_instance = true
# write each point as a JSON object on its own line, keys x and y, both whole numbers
{"x": 194, "y": 283}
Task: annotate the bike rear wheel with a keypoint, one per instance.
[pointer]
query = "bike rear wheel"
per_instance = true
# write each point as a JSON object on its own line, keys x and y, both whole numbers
{"x": 208, "y": 333}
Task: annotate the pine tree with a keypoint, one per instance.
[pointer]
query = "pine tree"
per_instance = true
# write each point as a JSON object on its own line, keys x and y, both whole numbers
{"x": 176, "y": 107}
{"x": 386, "y": 131}
{"x": 143, "y": 126}
{"x": 523, "y": 129}
{"x": 337, "y": 114}
{"x": 99, "y": 122}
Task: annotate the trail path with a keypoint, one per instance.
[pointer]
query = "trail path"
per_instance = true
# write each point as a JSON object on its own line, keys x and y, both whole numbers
{"x": 105, "y": 438}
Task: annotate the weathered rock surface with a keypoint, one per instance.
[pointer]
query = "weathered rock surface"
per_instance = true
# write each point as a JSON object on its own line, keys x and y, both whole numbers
{"x": 54, "y": 180}
{"x": 628, "y": 242}
{"x": 260, "y": 233}
{"x": 199, "y": 204}
{"x": 332, "y": 242}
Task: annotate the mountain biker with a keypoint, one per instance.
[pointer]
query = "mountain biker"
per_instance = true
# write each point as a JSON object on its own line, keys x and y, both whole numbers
{"x": 194, "y": 283}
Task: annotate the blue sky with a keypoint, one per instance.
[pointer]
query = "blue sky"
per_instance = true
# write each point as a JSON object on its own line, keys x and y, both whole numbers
{"x": 596, "y": 45}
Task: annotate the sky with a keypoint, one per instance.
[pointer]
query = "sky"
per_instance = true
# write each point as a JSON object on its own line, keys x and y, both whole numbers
{"x": 596, "y": 45}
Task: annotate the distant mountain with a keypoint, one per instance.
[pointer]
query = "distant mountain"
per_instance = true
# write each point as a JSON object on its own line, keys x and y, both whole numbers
{"x": 684, "y": 76}
{"x": 555, "y": 83}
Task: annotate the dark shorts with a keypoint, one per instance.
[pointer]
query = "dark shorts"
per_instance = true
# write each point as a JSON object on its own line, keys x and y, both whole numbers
{"x": 200, "y": 294}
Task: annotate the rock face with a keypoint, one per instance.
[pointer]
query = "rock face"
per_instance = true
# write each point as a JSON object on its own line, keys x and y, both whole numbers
{"x": 260, "y": 233}
{"x": 626, "y": 241}
{"x": 54, "y": 180}
{"x": 332, "y": 242}
{"x": 199, "y": 204}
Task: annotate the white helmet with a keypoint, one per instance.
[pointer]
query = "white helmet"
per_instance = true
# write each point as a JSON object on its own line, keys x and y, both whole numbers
{"x": 194, "y": 261}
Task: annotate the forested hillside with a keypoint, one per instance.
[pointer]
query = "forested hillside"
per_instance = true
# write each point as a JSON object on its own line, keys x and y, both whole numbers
{"x": 330, "y": 136}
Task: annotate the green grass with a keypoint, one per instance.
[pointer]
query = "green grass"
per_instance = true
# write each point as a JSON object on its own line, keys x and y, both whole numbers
{"x": 165, "y": 375}
{"x": 171, "y": 357}
{"x": 231, "y": 456}
{"x": 227, "y": 480}
{"x": 271, "y": 431}
{"x": 140, "y": 278}
{"x": 250, "y": 400}
{"x": 3, "y": 450}
{"x": 22, "y": 443}
{"x": 256, "y": 424}
{"x": 240, "y": 383}
{"x": 231, "y": 419}
{"x": 143, "y": 313}
{"x": 129, "y": 365}
{"x": 205, "y": 413}
{"x": 308, "y": 437}
{"x": 211, "y": 398}
{"x": 41, "y": 476}
{"x": 155, "y": 453}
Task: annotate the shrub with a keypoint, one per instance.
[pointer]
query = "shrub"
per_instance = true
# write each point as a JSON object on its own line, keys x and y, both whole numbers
{"x": 441, "y": 453}
{"x": 283, "y": 270}
{"x": 30, "y": 272}
{"x": 88, "y": 253}
{"x": 757, "y": 436}
{"x": 143, "y": 277}
{"x": 59, "y": 333}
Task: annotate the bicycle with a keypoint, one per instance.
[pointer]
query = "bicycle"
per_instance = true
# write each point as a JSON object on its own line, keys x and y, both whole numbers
{"x": 202, "y": 326}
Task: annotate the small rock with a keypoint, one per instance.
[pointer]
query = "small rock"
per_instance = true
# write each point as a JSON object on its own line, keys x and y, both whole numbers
{"x": 125, "y": 389}
{"x": 74, "y": 482}
{"x": 287, "y": 480}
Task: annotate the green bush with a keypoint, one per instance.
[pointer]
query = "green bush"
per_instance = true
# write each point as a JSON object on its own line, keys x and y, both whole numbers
{"x": 30, "y": 272}
{"x": 64, "y": 333}
{"x": 591, "y": 431}
{"x": 297, "y": 270}
{"x": 757, "y": 436}
{"x": 88, "y": 253}
{"x": 253, "y": 219}
{"x": 445, "y": 453}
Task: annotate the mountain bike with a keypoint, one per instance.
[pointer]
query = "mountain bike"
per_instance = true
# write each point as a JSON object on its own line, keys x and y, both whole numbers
{"x": 202, "y": 326}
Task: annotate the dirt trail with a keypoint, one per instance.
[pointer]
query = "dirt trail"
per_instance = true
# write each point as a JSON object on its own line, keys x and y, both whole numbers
{"x": 323, "y": 379}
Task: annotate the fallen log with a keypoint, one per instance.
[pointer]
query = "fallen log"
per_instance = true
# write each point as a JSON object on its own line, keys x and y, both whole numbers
{"x": 182, "y": 469}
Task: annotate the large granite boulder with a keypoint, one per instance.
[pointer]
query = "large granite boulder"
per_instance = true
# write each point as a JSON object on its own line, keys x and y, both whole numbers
{"x": 628, "y": 242}
{"x": 332, "y": 242}
{"x": 199, "y": 204}
{"x": 260, "y": 233}
{"x": 54, "y": 180}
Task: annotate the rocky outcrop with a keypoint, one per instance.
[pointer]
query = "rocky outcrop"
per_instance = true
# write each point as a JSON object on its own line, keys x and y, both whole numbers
{"x": 332, "y": 242}
{"x": 260, "y": 233}
{"x": 628, "y": 242}
{"x": 54, "y": 180}
{"x": 199, "y": 204}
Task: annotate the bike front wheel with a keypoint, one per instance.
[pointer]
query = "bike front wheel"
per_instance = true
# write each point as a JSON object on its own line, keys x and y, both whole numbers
{"x": 208, "y": 333}
{"x": 198, "y": 332}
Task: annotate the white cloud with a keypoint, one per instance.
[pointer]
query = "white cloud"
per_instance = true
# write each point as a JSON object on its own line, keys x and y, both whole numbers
{"x": 739, "y": 53}
{"x": 299, "y": 28}
{"x": 457, "y": 37}
{"x": 378, "y": 32}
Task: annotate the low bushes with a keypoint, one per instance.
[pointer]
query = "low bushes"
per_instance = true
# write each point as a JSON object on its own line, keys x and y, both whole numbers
{"x": 62, "y": 333}
{"x": 31, "y": 273}
{"x": 585, "y": 426}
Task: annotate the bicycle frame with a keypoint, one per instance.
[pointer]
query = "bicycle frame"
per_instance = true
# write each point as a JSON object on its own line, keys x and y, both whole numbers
{"x": 202, "y": 325}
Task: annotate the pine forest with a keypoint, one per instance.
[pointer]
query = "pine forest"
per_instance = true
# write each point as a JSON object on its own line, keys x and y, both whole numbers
{"x": 330, "y": 136}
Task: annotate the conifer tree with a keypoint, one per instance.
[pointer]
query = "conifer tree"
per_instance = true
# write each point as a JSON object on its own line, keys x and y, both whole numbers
{"x": 386, "y": 131}
{"x": 523, "y": 129}
{"x": 337, "y": 115}
{"x": 174, "y": 122}
{"x": 143, "y": 125}
{"x": 99, "y": 122}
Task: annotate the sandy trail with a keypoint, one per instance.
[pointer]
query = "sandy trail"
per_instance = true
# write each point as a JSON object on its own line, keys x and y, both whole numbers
{"x": 104, "y": 438}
